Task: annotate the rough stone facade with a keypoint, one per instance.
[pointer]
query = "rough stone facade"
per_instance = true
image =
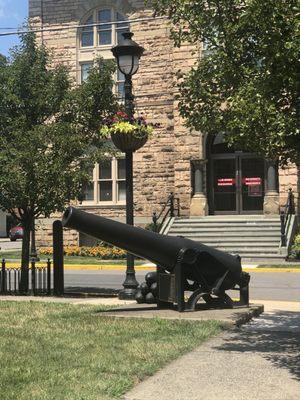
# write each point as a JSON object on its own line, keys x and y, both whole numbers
{"x": 163, "y": 165}
{"x": 289, "y": 178}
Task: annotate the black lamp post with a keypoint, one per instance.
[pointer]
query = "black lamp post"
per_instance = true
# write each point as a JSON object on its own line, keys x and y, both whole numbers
{"x": 128, "y": 54}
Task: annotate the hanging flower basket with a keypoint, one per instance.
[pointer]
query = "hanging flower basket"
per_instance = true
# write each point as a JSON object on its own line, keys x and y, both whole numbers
{"x": 128, "y": 142}
{"x": 127, "y": 134}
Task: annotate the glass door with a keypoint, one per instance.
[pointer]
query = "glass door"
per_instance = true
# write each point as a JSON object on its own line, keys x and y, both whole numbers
{"x": 237, "y": 182}
{"x": 252, "y": 181}
{"x": 225, "y": 185}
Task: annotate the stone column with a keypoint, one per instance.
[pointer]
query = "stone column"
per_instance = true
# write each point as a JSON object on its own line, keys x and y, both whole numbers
{"x": 271, "y": 200}
{"x": 199, "y": 206}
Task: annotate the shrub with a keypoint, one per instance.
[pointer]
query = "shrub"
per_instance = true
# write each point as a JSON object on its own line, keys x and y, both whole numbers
{"x": 295, "y": 253}
{"x": 151, "y": 227}
{"x": 104, "y": 253}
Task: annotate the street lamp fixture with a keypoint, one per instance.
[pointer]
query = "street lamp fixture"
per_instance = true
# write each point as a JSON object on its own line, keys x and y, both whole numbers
{"x": 128, "y": 55}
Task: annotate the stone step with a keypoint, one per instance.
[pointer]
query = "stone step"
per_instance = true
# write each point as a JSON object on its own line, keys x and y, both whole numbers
{"x": 252, "y": 237}
{"x": 262, "y": 257}
{"x": 247, "y": 250}
{"x": 231, "y": 246}
{"x": 241, "y": 247}
{"x": 212, "y": 220}
{"x": 238, "y": 231}
{"x": 225, "y": 226}
{"x": 229, "y": 236}
{"x": 238, "y": 244}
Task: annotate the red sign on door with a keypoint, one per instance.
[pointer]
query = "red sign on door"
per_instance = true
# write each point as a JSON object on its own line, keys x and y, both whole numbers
{"x": 252, "y": 181}
{"x": 226, "y": 181}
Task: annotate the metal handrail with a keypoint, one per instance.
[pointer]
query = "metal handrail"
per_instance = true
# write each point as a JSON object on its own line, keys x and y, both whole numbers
{"x": 289, "y": 209}
{"x": 171, "y": 207}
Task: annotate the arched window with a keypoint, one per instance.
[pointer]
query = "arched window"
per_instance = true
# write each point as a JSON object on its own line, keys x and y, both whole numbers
{"x": 219, "y": 145}
{"x": 106, "y": 28}
{"x": 87, "y": 35}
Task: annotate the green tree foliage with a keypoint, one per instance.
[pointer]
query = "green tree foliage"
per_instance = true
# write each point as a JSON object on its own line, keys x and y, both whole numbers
{"x": 247, "y": 83}
{"x": 48, "y": 133}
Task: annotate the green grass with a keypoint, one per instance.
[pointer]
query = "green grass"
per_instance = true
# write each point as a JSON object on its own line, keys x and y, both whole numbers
{"x": 11, "y": 254}
{"x": 281, "y": 265}
{"x": 16, "y": 256}
{"x": 68, "y": 352}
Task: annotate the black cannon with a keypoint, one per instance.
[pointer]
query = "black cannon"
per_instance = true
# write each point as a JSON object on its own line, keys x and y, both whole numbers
{"x": 182, "y": 264}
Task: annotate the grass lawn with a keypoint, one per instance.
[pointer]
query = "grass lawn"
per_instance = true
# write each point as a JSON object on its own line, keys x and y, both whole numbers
{"x": 68, "y": 352}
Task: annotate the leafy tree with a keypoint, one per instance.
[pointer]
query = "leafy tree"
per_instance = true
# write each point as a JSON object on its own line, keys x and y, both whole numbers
{"x": 48, "y": 134}
{"x": 246, "y": 85}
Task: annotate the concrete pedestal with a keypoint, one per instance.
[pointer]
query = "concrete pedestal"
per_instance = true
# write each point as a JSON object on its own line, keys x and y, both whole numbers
{"x": 271, "y": 200}
{"x": 271, "y": 203}
{"x": 199, "y": 206}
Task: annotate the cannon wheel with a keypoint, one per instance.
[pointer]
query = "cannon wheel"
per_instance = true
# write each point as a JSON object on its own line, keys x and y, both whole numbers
{"x": 224, "y": 301}
{"x": 195, "y": 297}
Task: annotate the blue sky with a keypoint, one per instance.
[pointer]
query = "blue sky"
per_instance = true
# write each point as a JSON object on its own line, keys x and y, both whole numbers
{"x": 12, "y": 15}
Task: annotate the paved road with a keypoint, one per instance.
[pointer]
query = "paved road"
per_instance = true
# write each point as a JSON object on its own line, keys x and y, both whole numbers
{"x": 264, "y": 285}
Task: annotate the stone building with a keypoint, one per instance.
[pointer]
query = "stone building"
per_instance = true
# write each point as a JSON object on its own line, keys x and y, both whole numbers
{"x": 205, "y": 175}
{"x": 3, "y": 224}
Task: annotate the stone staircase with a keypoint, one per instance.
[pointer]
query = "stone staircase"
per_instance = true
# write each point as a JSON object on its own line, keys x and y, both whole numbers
{"x": 252, "y": 237}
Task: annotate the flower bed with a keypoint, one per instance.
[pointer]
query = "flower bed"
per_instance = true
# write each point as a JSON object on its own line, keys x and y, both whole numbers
{"x": 104, "y": 253}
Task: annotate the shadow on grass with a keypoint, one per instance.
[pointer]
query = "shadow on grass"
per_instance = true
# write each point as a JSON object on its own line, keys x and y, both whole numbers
{"x": 276, "y": 336}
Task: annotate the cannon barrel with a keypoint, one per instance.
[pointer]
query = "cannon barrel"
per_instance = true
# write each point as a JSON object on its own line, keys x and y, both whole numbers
{"x": 201, "y": 261}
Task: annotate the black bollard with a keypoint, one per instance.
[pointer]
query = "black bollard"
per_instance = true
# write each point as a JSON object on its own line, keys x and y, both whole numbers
{"x": 58, "y": 258}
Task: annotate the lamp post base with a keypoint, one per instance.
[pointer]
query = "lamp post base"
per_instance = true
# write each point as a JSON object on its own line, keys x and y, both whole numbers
{"x": 130, "y": 288}
{"x": 130, "y": 284}
{"x": 127, "y": 294}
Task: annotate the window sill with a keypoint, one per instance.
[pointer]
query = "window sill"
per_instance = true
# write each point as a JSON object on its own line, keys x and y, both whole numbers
{"x": 87, "y": 48}
{"x": 98, "y": 47}
{"x": 103, "y": 206}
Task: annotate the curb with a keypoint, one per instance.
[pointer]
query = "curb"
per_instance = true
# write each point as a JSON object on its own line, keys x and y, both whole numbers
{"x": 254, "y": 311}
{"x": 267, "y": 269}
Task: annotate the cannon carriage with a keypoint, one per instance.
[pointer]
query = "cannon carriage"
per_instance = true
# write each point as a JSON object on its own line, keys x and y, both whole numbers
{"x": 183, "y": 265}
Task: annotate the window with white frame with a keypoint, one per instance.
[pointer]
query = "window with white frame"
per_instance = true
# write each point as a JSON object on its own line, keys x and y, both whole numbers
{"x": 85, "y": 68}
{"x": 87, "y": 34}
{"x": 104, "y": 27}
{"x": 108, "y": 183}
{"x": 120, "y": 85}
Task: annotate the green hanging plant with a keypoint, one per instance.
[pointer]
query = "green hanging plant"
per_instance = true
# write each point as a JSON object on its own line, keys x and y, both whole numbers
{"x": 127, "y": 133}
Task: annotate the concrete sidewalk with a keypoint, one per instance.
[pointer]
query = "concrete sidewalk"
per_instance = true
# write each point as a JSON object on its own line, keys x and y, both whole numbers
{"x": 260, "y": 361}
{"x": 93, "y": 301}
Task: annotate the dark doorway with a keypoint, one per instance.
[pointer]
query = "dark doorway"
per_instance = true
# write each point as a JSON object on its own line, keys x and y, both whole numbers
{"x": 236, "y": 180}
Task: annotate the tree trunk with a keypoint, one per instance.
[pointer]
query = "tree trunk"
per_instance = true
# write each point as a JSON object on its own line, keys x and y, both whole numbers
{"x": 24, "y": 283}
